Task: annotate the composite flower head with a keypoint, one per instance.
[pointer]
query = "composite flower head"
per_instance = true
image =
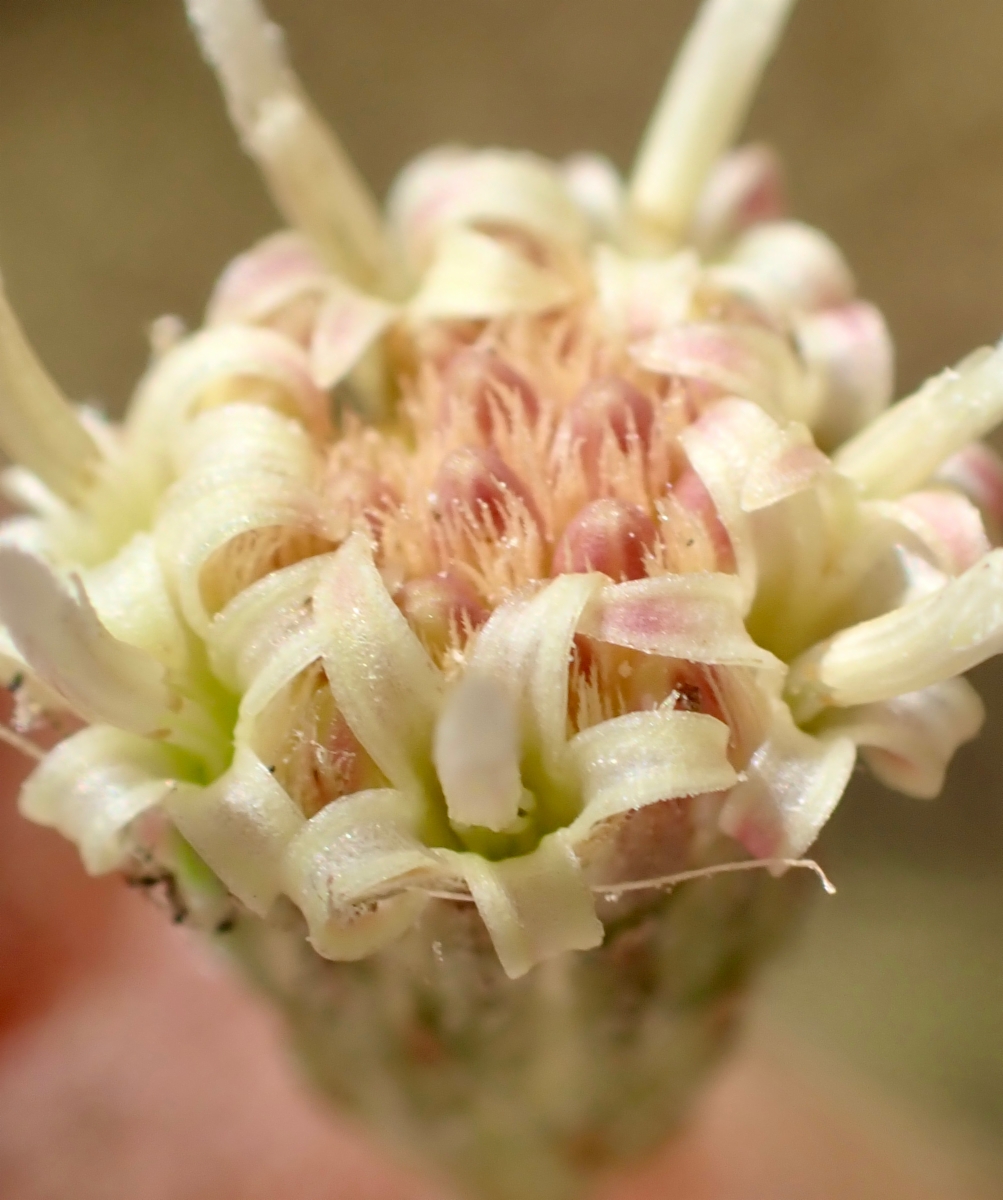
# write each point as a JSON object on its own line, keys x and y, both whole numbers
{"x": 547, "y": 534}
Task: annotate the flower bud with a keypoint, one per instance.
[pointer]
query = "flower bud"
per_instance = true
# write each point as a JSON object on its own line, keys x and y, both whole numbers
{"x": 607, "y": 410}
{"x": 609, "y": 536}
{"x": 690, "y": 494}
{"x": 480, "y": 382}
{"x": 443, "y": 610}
{"x": 354, "y": 494}
{"x": 476, "y": 487}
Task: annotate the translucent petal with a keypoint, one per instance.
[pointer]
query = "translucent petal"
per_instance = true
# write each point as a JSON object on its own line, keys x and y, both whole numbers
{"x": 226, "y": 364}
{"x": 474, "y": 276}
{"x": 349, "y": 868}
{"x": 261, "y": 619}
{"x": 534, "y": 906}
{"x": 93, "y": 785}
{"x": 909, "y": 741}
{"x": 644, "y": 757}
{"x": 348, "y": 324}
{"x": 450, "y": 187}
{"x": 526, "y": 645}
{"x": 384, "y": 682}
{"x": 54, "y": 627}
{"x": 696, "y": 617}
{"x": 279, "y": 270}
{"x": 240, "y": 826}
{"x": 793, "y": 782}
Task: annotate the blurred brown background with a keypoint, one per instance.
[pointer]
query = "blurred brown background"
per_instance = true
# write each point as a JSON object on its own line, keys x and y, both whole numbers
{"x": 122, "y": 193}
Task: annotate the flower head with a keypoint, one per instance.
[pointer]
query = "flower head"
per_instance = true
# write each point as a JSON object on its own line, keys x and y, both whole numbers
{"x": 549, "y": 534}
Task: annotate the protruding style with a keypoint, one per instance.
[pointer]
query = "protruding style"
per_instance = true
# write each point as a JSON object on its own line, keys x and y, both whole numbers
{"x": 38, "y": 427}
{"x": 701, "y": 109}
{"x": 312, "y": 180}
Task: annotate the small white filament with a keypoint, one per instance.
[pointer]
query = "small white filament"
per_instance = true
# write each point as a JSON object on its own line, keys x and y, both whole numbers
{"x": 668, "y": 882}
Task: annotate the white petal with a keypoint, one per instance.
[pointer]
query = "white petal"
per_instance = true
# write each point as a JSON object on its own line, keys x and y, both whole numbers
{"x": 526, "y": 646}
{"x": 535, "y": 906}
{"x": 746, "y": 361}
{"x": 734, "y": 448}
{"x": 696, "y": 617}
{"x": 796, "y": 266}
{"x": 260, "y": 619}
{"x": 909, "y": 741}
{"x": 476, "y": 753}
{"x": 348, "y": 324}
{"x": 639, "y": 297}
{"x": 59, "y": 635}
{"x": 350, "y": 868}
{"x": 595, "y": 186}
{"x": 251, "y": 471}
{"x": 976, "y": 471}
{"x": 948, "y": 526}
{"x": 274, "y": 668}
{"x": 924, "y": 642}
{"x": 852, "y": 352}
{"x": 900, "y": 450}
{"x": 93, "y": 785}
{"x": 279, "y": 270}
{"x": 383, "y": 681}
{"x": 473, "y": 276}
{"x": 447, "y": 188}
{"x": 130, "y": 597}
{"x": 644, "y": 757}
{"x": 792, "y": 784}
{"x": 240, "y": 826}
{"x": 745, "y": 188}
{"x": 252, "y": 362}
